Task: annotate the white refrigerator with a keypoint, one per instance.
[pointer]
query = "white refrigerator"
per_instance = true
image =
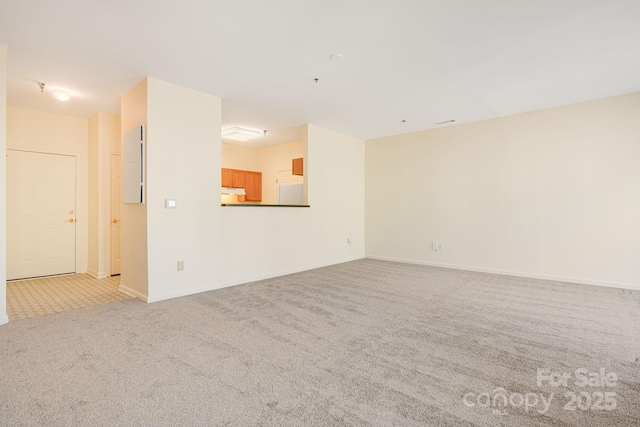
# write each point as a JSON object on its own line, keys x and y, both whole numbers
{"x": 290, "y": 194}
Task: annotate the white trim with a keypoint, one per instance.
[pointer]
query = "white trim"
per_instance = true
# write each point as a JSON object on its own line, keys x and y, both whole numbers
{"x": 133, "y": 293}
{"x": 97, "y": 275}
{"x": 42, "y": 152}
{"x": 582, "y": 281}
{"x": 42, "y": 277}
{"x": 185, "y": 292}
{"x": 4, "y": 320}
{"x": 77, "y": 257}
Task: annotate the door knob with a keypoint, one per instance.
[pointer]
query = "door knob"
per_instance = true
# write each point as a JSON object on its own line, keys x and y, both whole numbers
{"x": 70, "y": 220}
{"x": 115, "y": 220}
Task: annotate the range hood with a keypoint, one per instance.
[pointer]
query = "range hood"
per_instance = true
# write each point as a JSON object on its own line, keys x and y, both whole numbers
{"x": 229, "y": 190}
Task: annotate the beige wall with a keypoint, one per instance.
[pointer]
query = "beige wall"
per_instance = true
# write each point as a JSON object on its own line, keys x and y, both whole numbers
{"x": 334, "y": 174}
{"x": 276, "y": 158}
{"x": 3, "y": 184}
{"x": 38, "y": 131}
{"x": 104, "y": 140}
{"x": 552, "y": 194}
{"x": 243, "y": 158}
{"x": 185, "y": 172}
{"x": 133, "y": 238}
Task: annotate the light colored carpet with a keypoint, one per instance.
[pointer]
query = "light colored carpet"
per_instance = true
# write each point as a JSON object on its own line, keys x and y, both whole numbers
{"x": 361, "y": 343}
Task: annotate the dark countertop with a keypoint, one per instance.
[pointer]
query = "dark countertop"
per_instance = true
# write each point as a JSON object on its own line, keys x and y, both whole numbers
{"x": 264, "y": 206}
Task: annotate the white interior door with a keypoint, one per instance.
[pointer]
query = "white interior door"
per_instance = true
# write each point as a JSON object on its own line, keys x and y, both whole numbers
{"x": 41, "y": 206}
{"x": 116, "y": 211}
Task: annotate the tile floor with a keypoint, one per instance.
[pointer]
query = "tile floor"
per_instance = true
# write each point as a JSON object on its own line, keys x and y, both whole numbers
{"x": 36, "y": 297}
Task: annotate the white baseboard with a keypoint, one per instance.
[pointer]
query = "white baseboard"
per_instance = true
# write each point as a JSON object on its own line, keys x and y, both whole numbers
{"x": 4, "y": 319}
{"x": 97, "y": 275}
{"x": 197, "y": 290}
{"x": 133, "y": 293}
{"x": 580, "y": 280}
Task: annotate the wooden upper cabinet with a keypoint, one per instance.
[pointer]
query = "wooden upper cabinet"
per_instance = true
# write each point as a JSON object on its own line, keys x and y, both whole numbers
{"x": 233, "y": 178}
{"x": 253, "y": 187}
{"x": 227, "y": 177}
{"x": 238, "y": 178}
{"x": 249, "y": 180}
{"x": 297, "y": 166}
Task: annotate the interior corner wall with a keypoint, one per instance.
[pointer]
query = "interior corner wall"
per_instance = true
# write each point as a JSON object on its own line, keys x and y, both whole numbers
{"x": 42, "y": 132}
{"x": 133, "y": 236}
{"x": 553, "y": 194}
{"x": 3, "y": 184}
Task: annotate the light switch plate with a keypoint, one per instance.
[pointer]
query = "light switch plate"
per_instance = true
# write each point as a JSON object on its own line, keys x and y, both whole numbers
{"x": 170, "y": 203}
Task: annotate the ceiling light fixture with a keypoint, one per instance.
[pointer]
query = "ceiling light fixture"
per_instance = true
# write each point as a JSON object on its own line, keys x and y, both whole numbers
{"x": 242, "y": 134}
{"x": 61, "y": 95}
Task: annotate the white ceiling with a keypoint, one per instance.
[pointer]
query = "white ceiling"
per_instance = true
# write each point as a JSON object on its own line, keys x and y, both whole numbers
{"x": 272, "y": 137}
{"x": 423, "y": 61}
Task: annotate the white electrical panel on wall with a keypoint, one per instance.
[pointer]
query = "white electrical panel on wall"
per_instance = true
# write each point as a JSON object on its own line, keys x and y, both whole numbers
{"x": 134, "y": 165}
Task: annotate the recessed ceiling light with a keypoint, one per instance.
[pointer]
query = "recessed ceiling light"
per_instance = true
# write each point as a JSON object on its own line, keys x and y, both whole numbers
{"x": 444, "y": 122}
{"x": 61, "y": 95}
{"x": 242, "y": 134}
{"x": 336, "y": 57}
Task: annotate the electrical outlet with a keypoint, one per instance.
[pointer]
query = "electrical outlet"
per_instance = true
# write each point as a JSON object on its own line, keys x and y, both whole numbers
{"x": 180, "y": 265}
{"x": 434, "y": 246}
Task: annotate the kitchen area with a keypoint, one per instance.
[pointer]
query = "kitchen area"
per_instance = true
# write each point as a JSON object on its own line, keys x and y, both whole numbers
{"x": 268, "y": 172}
